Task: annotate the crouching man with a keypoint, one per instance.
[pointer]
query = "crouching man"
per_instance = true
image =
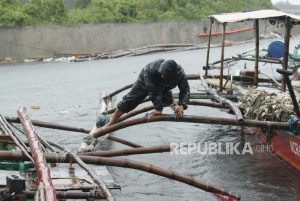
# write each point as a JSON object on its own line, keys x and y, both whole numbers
{"x": 156, "y": 80}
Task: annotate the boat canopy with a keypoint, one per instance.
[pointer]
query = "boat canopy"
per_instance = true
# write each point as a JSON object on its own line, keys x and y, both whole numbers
{"x": 252, "y": 15}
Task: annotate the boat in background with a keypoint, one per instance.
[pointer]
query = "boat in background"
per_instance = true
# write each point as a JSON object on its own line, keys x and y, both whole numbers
{"x": 232, "y": 31}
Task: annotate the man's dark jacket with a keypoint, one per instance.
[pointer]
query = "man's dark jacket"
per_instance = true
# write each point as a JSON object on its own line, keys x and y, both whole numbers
{"x": 156, "y": 86}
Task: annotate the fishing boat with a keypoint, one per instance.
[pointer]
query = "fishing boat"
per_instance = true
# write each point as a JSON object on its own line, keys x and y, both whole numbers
{"x": 223, "y": 89}
{"x": 279, "y": 136}
{"x": 284, "y": 143}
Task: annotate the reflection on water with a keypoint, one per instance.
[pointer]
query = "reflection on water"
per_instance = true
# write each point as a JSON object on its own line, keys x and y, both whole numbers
{"x": 69, "y": 93}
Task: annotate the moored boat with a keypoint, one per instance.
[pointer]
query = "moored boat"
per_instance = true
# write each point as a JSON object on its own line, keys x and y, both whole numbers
{"x": 232, "y": 31}
{"x": 283, "y": 143}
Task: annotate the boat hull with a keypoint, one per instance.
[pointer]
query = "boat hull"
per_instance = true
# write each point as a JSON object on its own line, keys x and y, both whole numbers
{"x": 284, "y": 145}
{"x": 239, "y": 30}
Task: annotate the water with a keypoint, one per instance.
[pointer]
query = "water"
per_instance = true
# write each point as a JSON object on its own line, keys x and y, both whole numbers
{"x": 69, "y": 93}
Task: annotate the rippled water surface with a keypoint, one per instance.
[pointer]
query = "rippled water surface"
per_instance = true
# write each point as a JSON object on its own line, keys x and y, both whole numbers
{"x": 69, "y": 93}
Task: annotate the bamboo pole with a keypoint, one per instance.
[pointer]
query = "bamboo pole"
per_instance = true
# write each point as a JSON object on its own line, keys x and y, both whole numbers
{"x": 6, "y": 128}
{"x": 191, "y": 102}
{"x": 206, "y": 103}
{"x": 38, "y": 157}
{"x": 90, "y": 171}
{"x": 118, "y": 91}
{"x": 122, "y": 141}
{"x": 188, "y": 76}
{"x": 148, "y": 108}
{"x": 132, "y": 151}
{"x": 110, "y": 111}
{"x": 136, "y": 112}
{"x": 61, "y": 158}
{"x": 288, "y": 27}
{"x": 242, "y": 78}
{"x": 222, "y": 100}
{"x": 70, "y": 195}
{"x": 191, "y": 119}
{"x": 222, "y": 57}
{"x": 263, "y": 60}
{"x": 82, "y": 130}
{"x": 124, "y": 117}
{"x": 256, "y": 51}
{"x": 49, "y": 125}
{"x": 176, "y": 95}
{"x": 208, "y": 47}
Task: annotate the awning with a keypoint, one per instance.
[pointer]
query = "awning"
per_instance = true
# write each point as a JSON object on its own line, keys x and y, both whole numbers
{"x": 252, "y": 15}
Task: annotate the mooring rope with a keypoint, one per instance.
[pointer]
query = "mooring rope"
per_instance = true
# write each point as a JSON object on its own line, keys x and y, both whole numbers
{"x": 8, "y": 130}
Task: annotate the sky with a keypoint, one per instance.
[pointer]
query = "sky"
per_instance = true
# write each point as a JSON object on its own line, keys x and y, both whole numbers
{"x": 290, "y": 1}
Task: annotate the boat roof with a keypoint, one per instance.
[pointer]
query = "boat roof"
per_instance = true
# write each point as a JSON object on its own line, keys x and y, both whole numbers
{"x": 252, "y": 15}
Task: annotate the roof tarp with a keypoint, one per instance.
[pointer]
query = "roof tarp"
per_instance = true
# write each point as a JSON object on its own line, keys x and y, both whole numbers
{"x": 251, "y": 15}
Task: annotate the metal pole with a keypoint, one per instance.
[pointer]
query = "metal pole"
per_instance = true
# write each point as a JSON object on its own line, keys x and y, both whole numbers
{"x": 208, "y": 47}
{"x": 288, "y": 27}
{"x": 256, "y": 51}
{"x": 222, "y": 57}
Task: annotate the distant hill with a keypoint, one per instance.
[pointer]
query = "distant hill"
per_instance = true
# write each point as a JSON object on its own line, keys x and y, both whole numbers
{"x": 36, "y": 12}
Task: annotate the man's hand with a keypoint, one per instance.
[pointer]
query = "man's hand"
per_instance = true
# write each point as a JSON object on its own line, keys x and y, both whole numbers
{"x": 156, "y": 113}
{"x": 179, "y": 111}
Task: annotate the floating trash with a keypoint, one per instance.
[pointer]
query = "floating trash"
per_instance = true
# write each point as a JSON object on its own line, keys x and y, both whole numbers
{"x": 35, "y": 107}
{"x": 8, "y": 60}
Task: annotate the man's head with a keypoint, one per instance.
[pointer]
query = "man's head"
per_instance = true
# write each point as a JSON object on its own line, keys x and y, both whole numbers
{"x": 168, "y": 69}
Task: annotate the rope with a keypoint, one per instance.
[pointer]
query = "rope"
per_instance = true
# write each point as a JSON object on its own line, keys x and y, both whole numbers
{"x": 6, "y": 128}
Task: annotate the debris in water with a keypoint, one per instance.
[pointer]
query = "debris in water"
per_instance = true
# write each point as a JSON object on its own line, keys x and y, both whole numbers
{"x": 35, "y": 107}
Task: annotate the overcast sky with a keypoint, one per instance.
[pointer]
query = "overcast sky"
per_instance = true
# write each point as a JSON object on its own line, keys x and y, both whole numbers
{"x": 291, "y": 1}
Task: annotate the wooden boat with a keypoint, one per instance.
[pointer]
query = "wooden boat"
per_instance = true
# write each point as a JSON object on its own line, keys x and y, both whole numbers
{"x": 232, "y": 31}
{"x": 21, "y": 181}
{"x": 284, "y": 144}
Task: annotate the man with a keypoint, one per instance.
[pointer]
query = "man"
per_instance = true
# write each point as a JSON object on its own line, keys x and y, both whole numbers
{"x": 156, "y": 81}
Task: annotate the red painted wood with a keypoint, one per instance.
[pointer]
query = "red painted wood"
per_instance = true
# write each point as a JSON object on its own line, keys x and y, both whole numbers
{"x": 38, "y": 156}
{"x": 224, "y": 198}
{"x": 284, "y": 145}
{"x": 227, "y": 32}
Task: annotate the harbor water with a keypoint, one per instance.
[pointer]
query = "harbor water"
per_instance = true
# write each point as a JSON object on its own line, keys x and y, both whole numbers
{"x": 69, "y": 93}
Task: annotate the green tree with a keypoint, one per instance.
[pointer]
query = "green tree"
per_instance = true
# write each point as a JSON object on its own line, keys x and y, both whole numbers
{"x": 46, "y": 11}
{"x": 34, "y": 12}
{"x": 82, "y": 3}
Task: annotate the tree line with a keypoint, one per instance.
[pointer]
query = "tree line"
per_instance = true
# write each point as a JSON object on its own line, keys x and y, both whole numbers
{"x": 40, "y": 12}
